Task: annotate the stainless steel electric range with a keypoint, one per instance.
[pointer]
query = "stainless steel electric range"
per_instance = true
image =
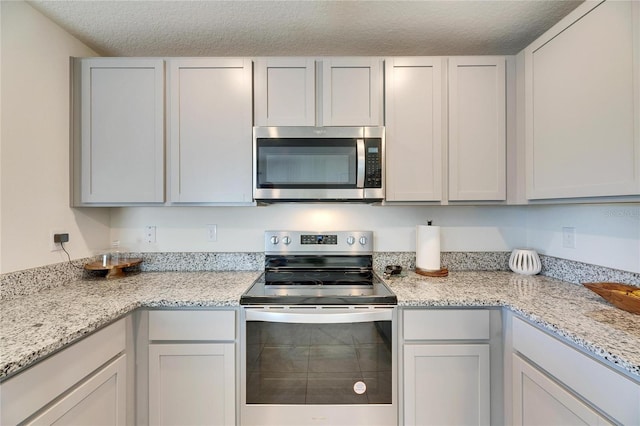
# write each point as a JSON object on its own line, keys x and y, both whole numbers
{"x": 318, "y": 333}
{"x": 328, "y": 268}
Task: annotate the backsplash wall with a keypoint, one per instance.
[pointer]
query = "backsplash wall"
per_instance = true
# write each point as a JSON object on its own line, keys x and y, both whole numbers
{"x": 607, "y": 235}
{"x": 241, "y": 229}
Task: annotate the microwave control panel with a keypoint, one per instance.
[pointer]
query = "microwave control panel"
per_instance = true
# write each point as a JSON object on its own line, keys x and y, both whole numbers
{"x": 373, "y": 163}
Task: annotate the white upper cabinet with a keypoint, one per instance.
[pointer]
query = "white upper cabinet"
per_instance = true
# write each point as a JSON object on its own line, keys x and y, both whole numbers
{"x": 318, "y": 92}
{"x": 413, "y": 129}
{"x": 210, "y": 125}
{"x": 285, "y": 92}
{"x": 352, "y": 92}
{"x": 120, "y": 155}
{"x": 477, "y": 128}
{"x": 583, "y": 104}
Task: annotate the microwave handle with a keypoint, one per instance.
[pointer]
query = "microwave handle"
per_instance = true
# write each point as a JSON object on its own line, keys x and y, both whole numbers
{"x": 360, "y": 162}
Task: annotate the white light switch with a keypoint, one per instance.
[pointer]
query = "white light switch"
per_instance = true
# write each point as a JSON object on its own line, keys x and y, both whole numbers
{"x": 212, "y": 233}
{"x": 569, "y": 237}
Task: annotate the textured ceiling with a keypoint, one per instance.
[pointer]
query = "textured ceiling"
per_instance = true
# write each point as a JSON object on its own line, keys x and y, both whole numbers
{"x": 296, "y": 28}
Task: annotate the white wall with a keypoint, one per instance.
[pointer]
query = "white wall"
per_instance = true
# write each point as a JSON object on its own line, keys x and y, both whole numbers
{"x": 0, "y": 140}
{"x": 242, "y": 228}
{"x": 34, "y": 169}
{"x": 606, "y": 235}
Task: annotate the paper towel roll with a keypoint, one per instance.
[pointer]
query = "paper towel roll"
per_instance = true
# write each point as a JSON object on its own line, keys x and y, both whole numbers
{"x": 428, "y": 247}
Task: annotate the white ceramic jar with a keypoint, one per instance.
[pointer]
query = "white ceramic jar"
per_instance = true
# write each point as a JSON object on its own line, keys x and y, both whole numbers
{"x": 525, "y": 261}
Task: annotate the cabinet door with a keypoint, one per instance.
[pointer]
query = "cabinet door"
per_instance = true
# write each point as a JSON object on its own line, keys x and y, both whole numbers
{"x": 477, "y": 128}
{"x": 446, "y": 384}
{"x": 538, "y": 400}
{"x": 414, "y": 129}
{"x": 192, "y": 384}
{"x": 27, "y": 393}
{"x": 210, "y": 136}
{"x": 122, "y": 131}
{"x": 285, "y": 92}
{"x": 612, "y": 393}
{"x": 583, "y": 104}
{"x": 352, "y": 92}
{"x": 100, "y": 400}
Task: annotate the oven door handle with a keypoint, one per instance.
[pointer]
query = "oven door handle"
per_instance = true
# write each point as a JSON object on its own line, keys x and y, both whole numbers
{"x": 361, "y": 163}
{"x": 319, "y": 315}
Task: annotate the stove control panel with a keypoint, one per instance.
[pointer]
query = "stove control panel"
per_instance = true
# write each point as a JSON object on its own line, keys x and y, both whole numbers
{"x": 319, "y": 239}
{"x": 346, "y": 242}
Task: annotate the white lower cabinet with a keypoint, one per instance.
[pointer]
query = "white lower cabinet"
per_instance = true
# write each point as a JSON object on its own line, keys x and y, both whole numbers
{"x": 192, "y": 384}
{"x": 98, "y": 401}
{"x": 446, "y": 384}
{"x": 538, "y": 400}
{"x": 554, "y": 383}
{"x": 192, "y": 367}
{"x": 84, "y": 384}
{"x": 447, "y": 367}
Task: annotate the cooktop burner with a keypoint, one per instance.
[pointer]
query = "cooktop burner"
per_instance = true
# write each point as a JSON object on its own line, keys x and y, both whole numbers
{"x": 318, "y": 269}
{"x": 264, "y": 292}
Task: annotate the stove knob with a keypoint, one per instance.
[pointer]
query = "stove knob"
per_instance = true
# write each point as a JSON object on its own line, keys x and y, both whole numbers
{"x": 274, "y": 240}
{"x": 286, "y": 240}
{"x": 363, "y": 241}
{"x": 351, "y": 240}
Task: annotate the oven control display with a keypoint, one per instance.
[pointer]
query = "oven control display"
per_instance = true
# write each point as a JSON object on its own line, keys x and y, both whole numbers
{"x": 319, "y": 239}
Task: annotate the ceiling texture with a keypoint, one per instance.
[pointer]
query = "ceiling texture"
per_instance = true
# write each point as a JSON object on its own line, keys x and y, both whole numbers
{"x": 305, "y": 28}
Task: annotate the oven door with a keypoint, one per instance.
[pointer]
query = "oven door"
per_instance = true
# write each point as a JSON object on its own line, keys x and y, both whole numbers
{"x": 318, "y": 365}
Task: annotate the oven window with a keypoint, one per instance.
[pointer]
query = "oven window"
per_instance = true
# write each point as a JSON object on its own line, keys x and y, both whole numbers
{"x": 291, "y": 363}
{"x": 320, "y": 163}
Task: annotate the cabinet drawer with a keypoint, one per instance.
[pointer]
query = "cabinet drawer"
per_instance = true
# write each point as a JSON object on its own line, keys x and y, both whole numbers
{"x": 192, "y": 325}
{"x": 611, "y": 392}
{"x": 445, "y": 324}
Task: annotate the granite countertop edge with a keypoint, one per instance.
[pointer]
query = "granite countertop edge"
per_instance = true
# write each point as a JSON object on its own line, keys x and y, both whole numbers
{"x": 568, "y": 338}
{"x": 26, "y": 342}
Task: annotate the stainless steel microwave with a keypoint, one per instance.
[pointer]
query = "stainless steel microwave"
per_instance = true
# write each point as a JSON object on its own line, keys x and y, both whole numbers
{"x": 318, "y": 164}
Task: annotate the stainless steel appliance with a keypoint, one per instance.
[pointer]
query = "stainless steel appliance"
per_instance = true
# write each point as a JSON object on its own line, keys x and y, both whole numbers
{"x": 318, "y": 163}
{"x": 318, "y": 334}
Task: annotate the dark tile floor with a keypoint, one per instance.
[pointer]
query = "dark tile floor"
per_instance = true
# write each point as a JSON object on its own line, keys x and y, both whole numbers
{"x": 317, "y": 364}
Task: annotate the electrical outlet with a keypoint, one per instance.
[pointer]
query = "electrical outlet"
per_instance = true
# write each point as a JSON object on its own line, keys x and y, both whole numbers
{"x": 56, "y": 237}
{"x": 150, "y": 234}
{"x": 212, "y": 233}
{"x": 569, "y": 237}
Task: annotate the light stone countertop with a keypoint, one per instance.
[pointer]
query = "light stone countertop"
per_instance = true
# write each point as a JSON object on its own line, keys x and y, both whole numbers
{"x": 34, "y": 326}
{"x": 569, "y": 311}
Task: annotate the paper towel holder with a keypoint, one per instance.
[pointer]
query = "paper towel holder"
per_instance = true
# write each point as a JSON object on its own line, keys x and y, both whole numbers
{"x": 442, "y": 272}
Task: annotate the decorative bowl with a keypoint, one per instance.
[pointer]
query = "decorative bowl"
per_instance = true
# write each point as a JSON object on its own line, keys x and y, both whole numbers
{"x": 525, "y": 261}
{"x": 622, "y": 296}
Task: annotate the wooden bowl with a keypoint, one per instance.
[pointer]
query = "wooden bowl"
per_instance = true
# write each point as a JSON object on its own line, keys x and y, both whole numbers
{"x": 622, "y": 296}
{"x": 115, "y": 270}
